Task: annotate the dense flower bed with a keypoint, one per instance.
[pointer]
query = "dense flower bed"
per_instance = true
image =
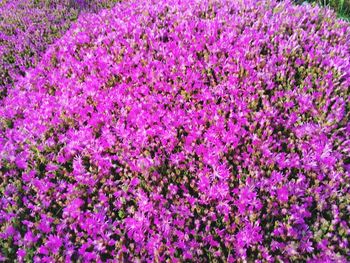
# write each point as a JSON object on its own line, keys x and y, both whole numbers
{"x": 27, "y": 27}
{"x": 182, "y": 130}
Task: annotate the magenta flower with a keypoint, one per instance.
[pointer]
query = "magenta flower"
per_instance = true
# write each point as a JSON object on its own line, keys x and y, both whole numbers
{"x": 54, "y": 244}
{"x": 282, "y": 194}
{"x": 73, "y": 208}
{"x": 181, "y": 130}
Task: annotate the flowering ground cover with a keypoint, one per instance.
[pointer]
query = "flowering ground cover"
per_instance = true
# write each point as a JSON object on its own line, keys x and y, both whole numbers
{"x": 182, "y": 131}
{"x": 27, "y": 27}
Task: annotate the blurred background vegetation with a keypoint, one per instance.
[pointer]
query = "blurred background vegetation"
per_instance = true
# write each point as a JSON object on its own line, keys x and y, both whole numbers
{"x": 342, "y": 7}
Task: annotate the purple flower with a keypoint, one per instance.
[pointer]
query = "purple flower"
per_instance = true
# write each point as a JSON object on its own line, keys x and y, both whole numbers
{"x": 180, "y": 130}
{"x": 54, "y": 243}
{"x": 73, "y": 208}
{"x": 282, "y": 194}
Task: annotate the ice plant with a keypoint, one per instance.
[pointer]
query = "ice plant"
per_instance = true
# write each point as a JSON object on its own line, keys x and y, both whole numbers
{"x": 27, "y": 27}
{"x": 182, "y": 130}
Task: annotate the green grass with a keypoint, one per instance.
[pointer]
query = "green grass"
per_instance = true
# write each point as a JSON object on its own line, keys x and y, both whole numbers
{"x": 342, "y": 7}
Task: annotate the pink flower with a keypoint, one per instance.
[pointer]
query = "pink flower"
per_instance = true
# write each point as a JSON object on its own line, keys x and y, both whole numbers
{"x": 54, "y": 243}
{"x": 73, "y": 208}
{"x": 21, "y": 253}
{"x": 282, "y": 194}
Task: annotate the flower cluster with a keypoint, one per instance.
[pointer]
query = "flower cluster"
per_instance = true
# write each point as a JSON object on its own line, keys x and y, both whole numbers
{"x": 27, "y": 27}
{"x": 184, "y": 130}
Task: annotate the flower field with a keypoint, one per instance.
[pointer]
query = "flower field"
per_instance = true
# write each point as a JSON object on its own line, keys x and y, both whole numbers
{"x": 27, "y": 27}
{"x": 175, "y": 131}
